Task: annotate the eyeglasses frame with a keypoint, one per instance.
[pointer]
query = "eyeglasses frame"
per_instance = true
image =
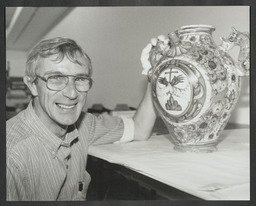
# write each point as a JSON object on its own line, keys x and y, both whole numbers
{"x": 46, "y": 81}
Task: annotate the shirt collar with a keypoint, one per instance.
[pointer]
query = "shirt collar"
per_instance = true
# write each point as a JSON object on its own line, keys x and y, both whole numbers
{"x": 50, "y": 140}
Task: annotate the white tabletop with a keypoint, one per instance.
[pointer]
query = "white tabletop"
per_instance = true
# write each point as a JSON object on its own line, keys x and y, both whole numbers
{"x": 221, "y": 175}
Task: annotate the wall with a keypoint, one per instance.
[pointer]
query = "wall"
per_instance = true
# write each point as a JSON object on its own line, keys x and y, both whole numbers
{"x": 114, "y": 37}
{"x": 17, "y": 61}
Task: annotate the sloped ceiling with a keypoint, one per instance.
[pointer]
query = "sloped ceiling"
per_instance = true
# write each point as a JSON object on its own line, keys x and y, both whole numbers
{"x": 25, "y": 26}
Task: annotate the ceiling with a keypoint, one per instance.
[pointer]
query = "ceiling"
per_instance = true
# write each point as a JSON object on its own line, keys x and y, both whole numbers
{"x": 25, "y": 26}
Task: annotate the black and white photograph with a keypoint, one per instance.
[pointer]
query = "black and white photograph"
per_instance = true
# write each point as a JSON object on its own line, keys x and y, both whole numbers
{"x": 128, "y": 103}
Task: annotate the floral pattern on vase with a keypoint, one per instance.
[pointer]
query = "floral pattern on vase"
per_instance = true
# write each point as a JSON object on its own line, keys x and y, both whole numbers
{"x": 196, "y": 84}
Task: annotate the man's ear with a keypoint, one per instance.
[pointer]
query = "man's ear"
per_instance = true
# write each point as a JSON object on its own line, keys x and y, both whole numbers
{"x": 31, "y": 85}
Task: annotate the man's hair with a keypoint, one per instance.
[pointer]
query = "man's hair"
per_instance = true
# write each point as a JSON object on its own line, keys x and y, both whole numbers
{"x": 62, "y": 47}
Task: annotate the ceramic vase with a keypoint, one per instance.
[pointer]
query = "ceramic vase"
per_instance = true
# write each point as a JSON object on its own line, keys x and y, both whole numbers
{"x": 196, "y": 84}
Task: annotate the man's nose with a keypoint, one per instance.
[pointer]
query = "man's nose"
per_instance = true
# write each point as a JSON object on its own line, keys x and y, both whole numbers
{"x": 70, "y": 90}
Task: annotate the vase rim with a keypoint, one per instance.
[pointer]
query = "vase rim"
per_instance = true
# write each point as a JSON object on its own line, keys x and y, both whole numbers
{"x": 196, "y": 28}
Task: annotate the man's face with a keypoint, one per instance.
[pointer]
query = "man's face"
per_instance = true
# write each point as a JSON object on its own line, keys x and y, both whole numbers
{"x": 60, "y": 107}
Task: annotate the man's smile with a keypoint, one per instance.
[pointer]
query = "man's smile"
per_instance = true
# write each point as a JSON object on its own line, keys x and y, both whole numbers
{"x": 64, "y": 106}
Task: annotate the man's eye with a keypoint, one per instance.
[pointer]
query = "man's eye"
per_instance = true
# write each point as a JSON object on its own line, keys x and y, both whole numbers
{"x": 57, "y": 77}
{"x": 81, "y": 79}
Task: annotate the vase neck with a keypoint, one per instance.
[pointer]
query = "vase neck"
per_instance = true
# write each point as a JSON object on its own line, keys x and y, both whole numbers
{"x": 196, "y": 34}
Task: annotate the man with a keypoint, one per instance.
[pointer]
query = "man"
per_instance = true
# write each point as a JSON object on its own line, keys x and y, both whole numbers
{"x": 47, "y": 143}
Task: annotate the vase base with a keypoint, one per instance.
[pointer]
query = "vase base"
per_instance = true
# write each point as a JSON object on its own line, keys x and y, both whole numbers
{"x": 196, "y": 148}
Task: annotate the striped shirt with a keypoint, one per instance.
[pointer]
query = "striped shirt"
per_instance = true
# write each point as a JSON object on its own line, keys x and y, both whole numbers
{"x": 41, "y": 166}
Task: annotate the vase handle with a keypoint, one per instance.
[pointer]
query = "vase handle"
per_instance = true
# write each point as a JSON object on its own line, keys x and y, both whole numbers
{"x": 241, "y": 39}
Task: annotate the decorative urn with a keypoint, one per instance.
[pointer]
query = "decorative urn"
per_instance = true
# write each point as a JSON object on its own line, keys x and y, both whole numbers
{"x": 196, "y": 84}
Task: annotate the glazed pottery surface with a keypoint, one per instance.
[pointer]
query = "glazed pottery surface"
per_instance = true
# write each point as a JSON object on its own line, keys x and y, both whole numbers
{"x": 196, "y": 84}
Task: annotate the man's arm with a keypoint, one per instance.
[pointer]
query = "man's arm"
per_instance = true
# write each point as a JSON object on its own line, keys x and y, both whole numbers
{"x": 144, "y": 118}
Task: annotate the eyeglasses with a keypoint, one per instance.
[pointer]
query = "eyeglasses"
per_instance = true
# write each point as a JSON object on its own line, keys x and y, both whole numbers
{"x": 59, "y": 82}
